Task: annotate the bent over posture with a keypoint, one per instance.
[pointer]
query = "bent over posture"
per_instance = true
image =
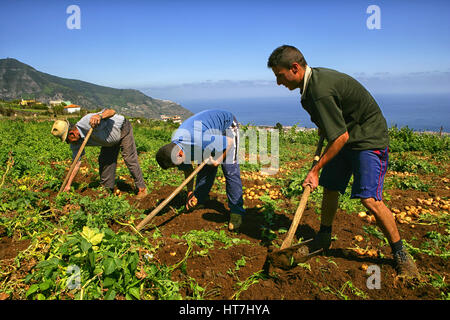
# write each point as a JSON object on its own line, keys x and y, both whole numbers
{"x": 209, "y": 134}
{"x": 356, "y": 130}
{"x": 113, "y": 133}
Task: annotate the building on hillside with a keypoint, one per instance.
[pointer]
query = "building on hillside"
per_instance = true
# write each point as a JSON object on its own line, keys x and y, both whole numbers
{"x": 29, "y": 102}
{"x": 174, "y": 119}
{"x": 53, "y": 103}
{"x": 72, "y": 108}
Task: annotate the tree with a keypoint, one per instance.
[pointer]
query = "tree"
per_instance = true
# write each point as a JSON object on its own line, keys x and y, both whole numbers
{"x": 58, "y": 109}
{"x": 279, "y": 127}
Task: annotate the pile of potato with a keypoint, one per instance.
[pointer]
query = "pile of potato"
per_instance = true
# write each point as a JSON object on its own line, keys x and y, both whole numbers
{"x": 259, "y": 190}
{"x": 424, "y": 206}
{"x": 446, "y": 180}
{"x": 401, "y": 174}
{"x": 251, "y": 176}
{"x": 84, "y": 170}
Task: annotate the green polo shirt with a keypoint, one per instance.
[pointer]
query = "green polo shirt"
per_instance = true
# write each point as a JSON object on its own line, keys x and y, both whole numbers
{"x": 337, "y": 103}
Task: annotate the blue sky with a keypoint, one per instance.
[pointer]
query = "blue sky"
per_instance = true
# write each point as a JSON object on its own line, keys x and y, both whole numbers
{"x": 185, "y": 49}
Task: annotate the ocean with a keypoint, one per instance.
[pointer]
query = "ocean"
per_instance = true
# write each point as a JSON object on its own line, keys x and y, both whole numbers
{"x": 420, "y": 112}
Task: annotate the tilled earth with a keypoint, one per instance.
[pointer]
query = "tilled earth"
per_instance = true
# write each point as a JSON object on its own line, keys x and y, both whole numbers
{"x": 338, "y": 274}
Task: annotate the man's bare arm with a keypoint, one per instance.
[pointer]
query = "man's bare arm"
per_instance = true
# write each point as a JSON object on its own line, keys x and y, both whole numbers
{"x": 96, "y": 118}
{"x": 222, "y": 157}
{"x": 332, "y": 149}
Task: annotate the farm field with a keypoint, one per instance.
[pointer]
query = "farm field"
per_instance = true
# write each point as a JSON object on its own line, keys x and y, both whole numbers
{"x": 80, "y": 245}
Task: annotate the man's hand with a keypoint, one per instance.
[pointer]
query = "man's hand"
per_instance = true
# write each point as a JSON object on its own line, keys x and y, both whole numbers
{"x": 333, "y": 148}
{"x": 191, "y": 201}
{"x": 220, "y": 159}
{"x": 312, "y": 179}
{"x": 95, "y": 120}
{"x": 213, "y": 162}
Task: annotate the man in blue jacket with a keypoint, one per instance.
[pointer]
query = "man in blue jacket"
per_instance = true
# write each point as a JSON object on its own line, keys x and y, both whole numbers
{"x": 212, "y": 134}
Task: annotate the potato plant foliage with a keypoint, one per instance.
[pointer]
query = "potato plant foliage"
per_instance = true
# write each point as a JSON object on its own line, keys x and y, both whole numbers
{"x": 83, "y": 247}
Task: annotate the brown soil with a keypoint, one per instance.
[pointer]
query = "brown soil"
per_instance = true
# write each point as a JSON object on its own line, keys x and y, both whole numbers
{"x": 338, "y": 274}
{"x": 9, "y": 248}
{"x": 324, "y": 277}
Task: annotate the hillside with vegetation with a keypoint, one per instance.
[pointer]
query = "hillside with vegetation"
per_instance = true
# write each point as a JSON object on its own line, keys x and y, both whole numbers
{"x": 18, "y": 80}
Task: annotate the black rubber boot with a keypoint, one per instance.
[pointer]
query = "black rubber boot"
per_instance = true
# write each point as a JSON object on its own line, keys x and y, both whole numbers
{"x": 405, "y": 265}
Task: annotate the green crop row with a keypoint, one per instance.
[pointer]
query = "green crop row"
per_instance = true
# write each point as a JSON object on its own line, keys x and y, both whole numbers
{"x": 78, "y": 255}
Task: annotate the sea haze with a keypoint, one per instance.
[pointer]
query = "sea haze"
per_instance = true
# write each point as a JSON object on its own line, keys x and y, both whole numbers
{"x": 421, "y": 112}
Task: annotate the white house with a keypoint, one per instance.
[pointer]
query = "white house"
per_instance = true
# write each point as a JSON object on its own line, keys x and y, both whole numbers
{"x": 72, "y": 108}
{"x": 175, "y": 119}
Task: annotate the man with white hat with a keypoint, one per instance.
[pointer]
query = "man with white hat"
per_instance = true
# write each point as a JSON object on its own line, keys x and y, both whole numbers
{"x": 112, "y": 132}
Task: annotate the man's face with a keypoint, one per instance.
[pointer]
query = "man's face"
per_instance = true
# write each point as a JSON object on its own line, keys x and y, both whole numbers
{"x": 290, "y": 78}
{"x": 178, "y": 158}
{"x": 73, "y": 136}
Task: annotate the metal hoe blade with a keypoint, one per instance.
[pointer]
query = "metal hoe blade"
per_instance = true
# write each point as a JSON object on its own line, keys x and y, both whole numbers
{"x": 291, "y": 256}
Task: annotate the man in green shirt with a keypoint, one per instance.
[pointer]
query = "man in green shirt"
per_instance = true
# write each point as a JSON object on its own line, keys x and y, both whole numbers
{"x": 350, "y": 119}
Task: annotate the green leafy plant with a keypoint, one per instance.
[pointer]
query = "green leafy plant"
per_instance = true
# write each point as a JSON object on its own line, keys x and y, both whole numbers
{"x": 108, "y": 264}
{"x": 410, "y": 182}
{"x": 407, "y": 163}
{"x": 245, "y": 284}
{"x": 70, "y": 251}
{"x": 405, "y": 139}
{"x": 207, "y": 239}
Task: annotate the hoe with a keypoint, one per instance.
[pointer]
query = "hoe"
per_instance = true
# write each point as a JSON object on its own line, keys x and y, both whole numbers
{"x": 172, "y": 195}
{"x": 75, "y": 160}
{"x": 283, "y": 257}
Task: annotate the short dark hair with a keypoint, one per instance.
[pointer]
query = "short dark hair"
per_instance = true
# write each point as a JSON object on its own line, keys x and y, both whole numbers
{"x": 284, "y": 56}
{"x": 164, "y": 156}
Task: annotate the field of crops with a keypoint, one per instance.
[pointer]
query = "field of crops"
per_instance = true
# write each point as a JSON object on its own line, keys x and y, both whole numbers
{"x": 80, "y": 245}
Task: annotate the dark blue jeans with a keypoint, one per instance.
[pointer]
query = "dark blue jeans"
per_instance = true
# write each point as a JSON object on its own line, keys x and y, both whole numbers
{"x": 233, "y": 183}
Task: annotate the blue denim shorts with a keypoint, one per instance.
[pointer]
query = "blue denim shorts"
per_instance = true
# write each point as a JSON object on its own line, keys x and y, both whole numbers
{"x": 367, "y": 166}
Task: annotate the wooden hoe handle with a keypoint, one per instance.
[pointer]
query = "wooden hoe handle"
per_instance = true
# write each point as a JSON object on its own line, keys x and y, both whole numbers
{"x": 169, "y": 198}
{"x": 301, "y": 207}
{"x": 88, "y": 135}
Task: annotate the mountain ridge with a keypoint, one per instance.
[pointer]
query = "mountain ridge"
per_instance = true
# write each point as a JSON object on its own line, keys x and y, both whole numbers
{"x": 19, "y": 80}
